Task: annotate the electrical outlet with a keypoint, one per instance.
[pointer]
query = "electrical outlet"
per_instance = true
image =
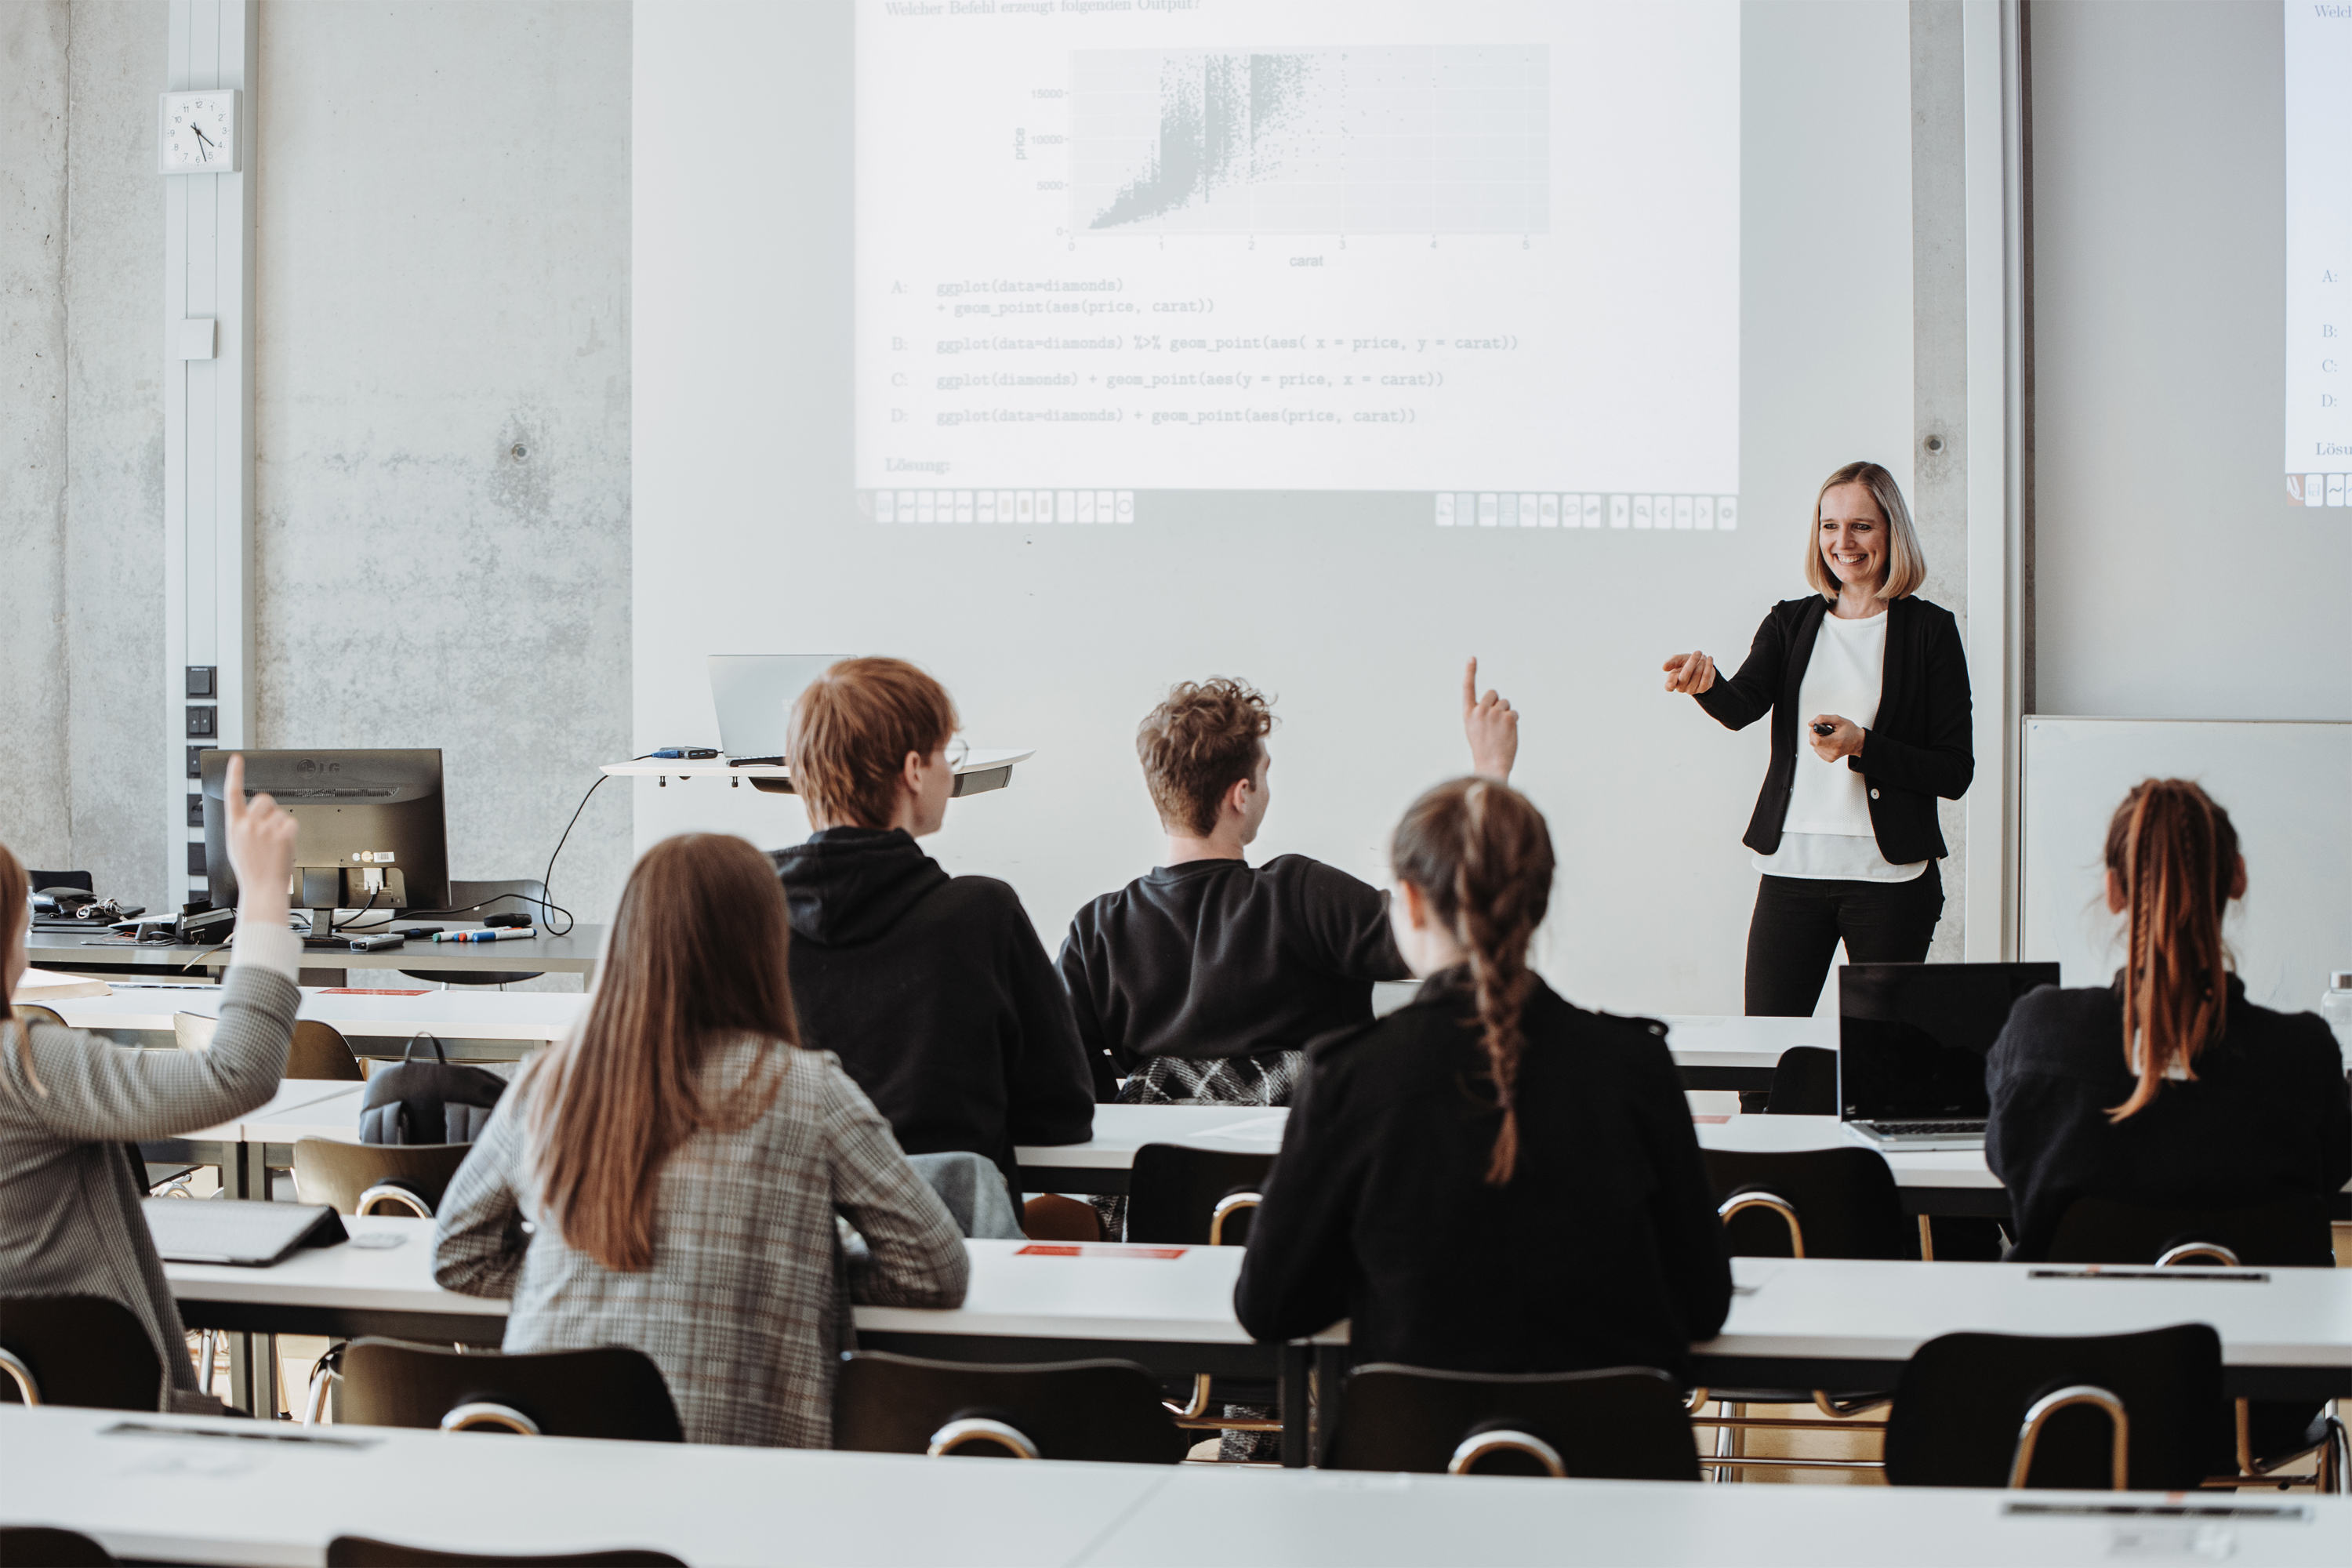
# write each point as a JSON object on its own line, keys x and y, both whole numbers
{"x": 195, "y": 811}
{"x": 200, "y": 721}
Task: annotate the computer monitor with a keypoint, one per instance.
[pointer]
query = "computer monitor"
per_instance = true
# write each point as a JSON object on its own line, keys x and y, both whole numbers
{"x": 1913, "y": 1037}
{"x": 369, "y": 827}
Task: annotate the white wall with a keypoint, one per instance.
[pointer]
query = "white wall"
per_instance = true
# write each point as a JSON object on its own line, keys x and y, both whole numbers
{"x": 2172, "y": 576}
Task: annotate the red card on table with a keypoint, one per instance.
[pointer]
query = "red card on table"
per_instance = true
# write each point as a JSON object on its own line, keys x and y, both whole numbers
{"x": 1104, "y": 1249}
{"x": 363, "y": 991}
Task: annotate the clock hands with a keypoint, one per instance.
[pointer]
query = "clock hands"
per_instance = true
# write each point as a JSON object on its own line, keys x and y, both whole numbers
{"x": 206, "y": 140}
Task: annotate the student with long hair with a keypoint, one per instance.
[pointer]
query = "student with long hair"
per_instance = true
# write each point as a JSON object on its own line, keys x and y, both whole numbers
{"x": 1488, "y": 1179}
{"x": 2167, "y": 1087}
{"x": 666, "y": 1178}
{"x": 71, "y": 1101}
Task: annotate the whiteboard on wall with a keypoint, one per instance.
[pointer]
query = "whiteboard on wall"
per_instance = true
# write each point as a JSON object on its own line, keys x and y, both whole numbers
{"x": 2287, "y": 787}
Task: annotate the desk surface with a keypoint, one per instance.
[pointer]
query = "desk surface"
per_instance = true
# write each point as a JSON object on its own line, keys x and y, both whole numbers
{"x": 978, "y": 762}
{"x": 467, "y": 1013}
{"x": 212, "y": 1499}
{"x": 574, "y": 954}
{"x": 294, "y": 1094}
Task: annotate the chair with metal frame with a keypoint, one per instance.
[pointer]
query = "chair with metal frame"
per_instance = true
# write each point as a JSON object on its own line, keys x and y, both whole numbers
{"x": 1201, "y": 1197}
{"x": 318, "y": 1050}
{"x": 522, "y": 896}
{"x": 77, "y": 1350}
{"x": 1102, "y": 1410}
{"x": 612, "y": 1391}
{"x": 1812, "y": 1203}
{"x": 363, "y": 1552}
{"x": 375, "y": 1178}
{"x": 1623, "y": 1422}
{"x": 2092, "y": 1413}
{"x": 2290, "y": 1232}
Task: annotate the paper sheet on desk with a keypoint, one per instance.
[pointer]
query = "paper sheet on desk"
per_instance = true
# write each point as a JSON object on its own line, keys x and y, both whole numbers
{"x": 1252, "y": 1130}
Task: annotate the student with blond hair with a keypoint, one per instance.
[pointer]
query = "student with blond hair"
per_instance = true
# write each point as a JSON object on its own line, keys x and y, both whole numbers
{"x": 666, "y": 1177}
{"x": 933, "y": 990}
{"x": 2167, "y": 1087}
{"x": 1874, "y": 681}
{"x": 1489, "y": 1179}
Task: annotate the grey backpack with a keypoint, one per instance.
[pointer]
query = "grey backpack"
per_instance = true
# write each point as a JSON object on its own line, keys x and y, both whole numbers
{"x": 437, "y": 1102}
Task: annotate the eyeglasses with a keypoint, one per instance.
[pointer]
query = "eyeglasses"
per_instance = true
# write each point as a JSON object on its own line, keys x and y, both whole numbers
{"x": 957, "y": 750}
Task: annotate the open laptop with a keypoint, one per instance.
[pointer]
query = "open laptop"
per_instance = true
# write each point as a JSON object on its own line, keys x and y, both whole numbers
{"x": 753, "y": 694}
{"x": 1912, "y": 1043}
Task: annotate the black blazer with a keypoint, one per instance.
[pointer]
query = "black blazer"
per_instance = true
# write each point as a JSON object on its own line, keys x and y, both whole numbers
{"x": 2266, "y": 1116}
{"x": 1603, "y": 1250}
{"x": 1917, "y": 750}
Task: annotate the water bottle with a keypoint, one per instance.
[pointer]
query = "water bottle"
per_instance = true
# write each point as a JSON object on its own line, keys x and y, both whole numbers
{"x": 2335, "y": 1006}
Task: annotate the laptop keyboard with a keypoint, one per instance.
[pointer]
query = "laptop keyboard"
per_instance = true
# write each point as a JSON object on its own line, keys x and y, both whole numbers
{"x": 1925, "y": 1129}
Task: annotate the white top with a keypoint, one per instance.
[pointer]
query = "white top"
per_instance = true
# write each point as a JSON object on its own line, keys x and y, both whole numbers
{"x": 1827, "y": 832}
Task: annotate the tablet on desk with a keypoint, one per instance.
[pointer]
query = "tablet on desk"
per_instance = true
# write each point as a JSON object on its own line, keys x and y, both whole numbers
{"x": 243, "y": 1233}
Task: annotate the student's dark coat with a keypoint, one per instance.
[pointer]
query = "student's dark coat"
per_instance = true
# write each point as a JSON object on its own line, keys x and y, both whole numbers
{"x": 1917, "y": 747}
{"x": 935, "y": 993}
{"x": 2266, "y": 1116}
{"x": 1603, "y": 1250}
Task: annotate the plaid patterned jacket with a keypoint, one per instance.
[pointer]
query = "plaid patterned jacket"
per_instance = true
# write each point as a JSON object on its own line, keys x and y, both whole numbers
{"x": 746, "y": 1308}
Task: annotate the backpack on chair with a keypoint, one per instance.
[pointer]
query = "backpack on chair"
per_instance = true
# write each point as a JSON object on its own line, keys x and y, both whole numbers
{"x": 437, "y": 1102}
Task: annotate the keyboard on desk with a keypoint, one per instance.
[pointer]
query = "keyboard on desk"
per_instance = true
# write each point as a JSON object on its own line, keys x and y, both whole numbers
{"x": 1898, "y": 1134}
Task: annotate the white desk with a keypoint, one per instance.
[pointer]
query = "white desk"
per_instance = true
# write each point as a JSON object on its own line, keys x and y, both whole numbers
{"x": 217, "y": 1499}
{"x": 531, "y": 1016}
{"x": 293, "y": 1094}
{"x": 979, "y": 771}
{"x": 575, "y": 953}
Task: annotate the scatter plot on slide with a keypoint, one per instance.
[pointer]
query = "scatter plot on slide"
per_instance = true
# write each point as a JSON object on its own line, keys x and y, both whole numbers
{"x": 1402, "y": 139}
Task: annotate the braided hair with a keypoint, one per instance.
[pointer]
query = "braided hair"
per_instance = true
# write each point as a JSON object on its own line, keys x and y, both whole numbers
{"x": 1480, "y": 853}
{"x": 2175, "y": 854}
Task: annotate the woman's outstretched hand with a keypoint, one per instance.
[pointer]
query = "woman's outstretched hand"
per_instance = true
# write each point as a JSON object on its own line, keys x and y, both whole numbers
{"x": 260, "y": 848}
{"x": 1492, "y": 726}
{"x": 1691, "y": 672}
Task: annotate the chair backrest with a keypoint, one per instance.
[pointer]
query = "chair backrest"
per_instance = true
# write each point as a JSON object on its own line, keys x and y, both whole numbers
{"x": 613, "y": 1391}
{"x": 326, "y": 1171}
{"x": 1962, "y": 1402}
{"x": 77, "y": 1350}
{"x": 33, "y": 1013}
{"x": 194, "y": 1031}
{"x": 1844, "y": 1200}
{"x": 1108, "y": 1410}
{"x": 1804, "y": 1083}
{"x": 43, "y": 879}
{"x": 320, "y": 1051}
{"x": 2288, "y": 1232}
{"x": 1626, "y": 1423}
{"x": 1172, "y": 1193}
{"x": 51, "y": 1548}
{"x": 361, "y": 1551}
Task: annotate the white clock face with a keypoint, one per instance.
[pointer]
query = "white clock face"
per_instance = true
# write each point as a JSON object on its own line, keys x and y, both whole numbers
{"x": 200, "y": 132}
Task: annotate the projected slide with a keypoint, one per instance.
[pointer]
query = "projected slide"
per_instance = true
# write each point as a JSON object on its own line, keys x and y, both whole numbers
{"x": 2318, "y": 253}
{"x": 1488, "y": 250}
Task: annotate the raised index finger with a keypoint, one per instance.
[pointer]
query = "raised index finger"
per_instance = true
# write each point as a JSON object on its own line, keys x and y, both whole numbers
{"x": 1470, "y": 684}
{"x": 232, "y": 789}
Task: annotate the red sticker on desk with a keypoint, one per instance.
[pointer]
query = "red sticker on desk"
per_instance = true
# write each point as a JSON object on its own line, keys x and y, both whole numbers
{"x": 361, "y": 991}
{"x": 1035, "y": 1249}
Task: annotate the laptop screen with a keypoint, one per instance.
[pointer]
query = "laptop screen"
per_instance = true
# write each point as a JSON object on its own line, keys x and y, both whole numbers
{"x": 1913, "y": 1037}
{"x": 754, "y": 695}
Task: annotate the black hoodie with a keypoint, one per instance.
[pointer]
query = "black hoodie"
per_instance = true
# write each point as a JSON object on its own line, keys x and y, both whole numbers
{"x": 936, "y": 995}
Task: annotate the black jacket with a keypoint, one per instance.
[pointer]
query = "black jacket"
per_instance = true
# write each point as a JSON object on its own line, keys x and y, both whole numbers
{"x": 935, "y": 993}
{"x": 2266, "y": 1116}
{"x": 1603, "y": 1250}
{"x": 1918, "y": 749}
{"x": 1219, "y": 958}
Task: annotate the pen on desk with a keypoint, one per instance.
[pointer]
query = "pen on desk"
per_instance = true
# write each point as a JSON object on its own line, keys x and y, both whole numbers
{"x": 502, "y": 933}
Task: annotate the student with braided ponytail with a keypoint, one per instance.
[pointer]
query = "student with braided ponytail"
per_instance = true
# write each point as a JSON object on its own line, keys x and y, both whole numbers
{"x": 1488, "y": 1179}
{"x": 2169, "y": 1087}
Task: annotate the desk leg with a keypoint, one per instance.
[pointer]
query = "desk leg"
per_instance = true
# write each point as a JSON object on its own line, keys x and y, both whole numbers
{"x": 1330, "y": 1372}
{"x": 1297, "y": 1359}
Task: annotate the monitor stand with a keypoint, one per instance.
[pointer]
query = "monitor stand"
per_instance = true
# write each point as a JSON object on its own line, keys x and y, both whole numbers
{"x": 322, "y": 923}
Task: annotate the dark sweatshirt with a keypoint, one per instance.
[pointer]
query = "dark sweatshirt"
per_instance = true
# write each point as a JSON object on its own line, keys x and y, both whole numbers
{"x": 1603, "y": 1250}
{"x": 2266, "y": 1116}
{"x": 936, "y": 995}
{"x": 1220, "y": 958}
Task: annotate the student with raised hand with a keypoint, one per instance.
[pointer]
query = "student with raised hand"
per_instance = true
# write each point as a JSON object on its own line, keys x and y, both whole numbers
{"x": 666, "y": 1177}
{"x": 2166, "y": 1089}
{"x": 1488, "y": 1179}
{"x": 1205, "y": 978}
{"x": 933, "y": 990}
{"x": 70, "y": 1223}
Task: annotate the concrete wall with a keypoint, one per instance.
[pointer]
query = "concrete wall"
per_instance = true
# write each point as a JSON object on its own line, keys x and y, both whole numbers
{"x": 442, "y": 417}
{"x": 2173, "y": 578}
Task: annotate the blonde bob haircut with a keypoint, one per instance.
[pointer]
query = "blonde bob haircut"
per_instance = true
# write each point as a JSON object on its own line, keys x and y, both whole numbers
{"x": 1907, "y": 564}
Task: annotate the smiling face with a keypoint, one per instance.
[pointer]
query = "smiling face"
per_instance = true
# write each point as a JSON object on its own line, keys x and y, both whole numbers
{"x": 1852, "y": 536}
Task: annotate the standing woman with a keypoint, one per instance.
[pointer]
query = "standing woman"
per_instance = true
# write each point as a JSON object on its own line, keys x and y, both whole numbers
{"x": 1876, "y": 683}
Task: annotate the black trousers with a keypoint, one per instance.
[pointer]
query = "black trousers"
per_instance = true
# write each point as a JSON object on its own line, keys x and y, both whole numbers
{"x": 1800, "y": 920}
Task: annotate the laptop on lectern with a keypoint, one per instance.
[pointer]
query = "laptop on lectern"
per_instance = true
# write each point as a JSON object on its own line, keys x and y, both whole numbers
{"x": 1912, "y": 1043}
{"x": 753, "y": 694}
